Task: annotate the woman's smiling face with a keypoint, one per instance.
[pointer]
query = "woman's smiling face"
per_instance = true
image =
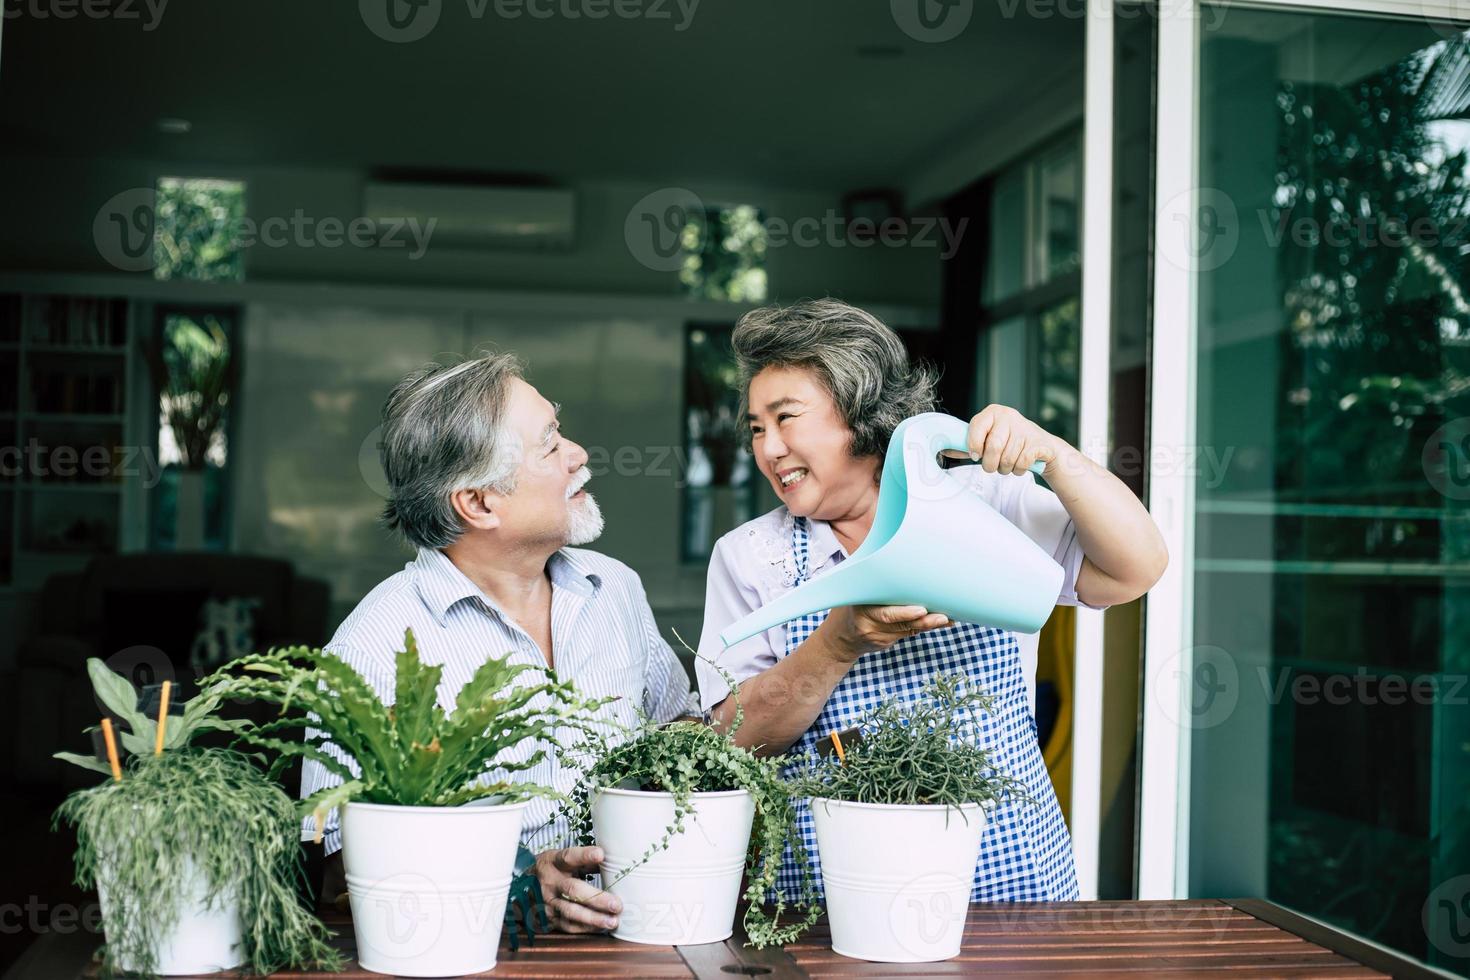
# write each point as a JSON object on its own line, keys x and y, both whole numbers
{"x": 801, "y": 443}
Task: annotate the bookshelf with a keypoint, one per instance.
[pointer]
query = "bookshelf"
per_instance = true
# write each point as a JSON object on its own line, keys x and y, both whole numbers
{"x": 73, "y": 465}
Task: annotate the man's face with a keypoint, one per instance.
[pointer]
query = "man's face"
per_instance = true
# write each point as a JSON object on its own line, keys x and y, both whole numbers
{"x": 549, "y": 506}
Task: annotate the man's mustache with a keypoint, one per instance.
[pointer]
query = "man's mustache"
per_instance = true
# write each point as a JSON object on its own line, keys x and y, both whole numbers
{"x": 579, "y": 480}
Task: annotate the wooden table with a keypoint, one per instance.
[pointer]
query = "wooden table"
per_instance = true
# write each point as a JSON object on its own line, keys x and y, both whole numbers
{"x": 1237, "y": 938}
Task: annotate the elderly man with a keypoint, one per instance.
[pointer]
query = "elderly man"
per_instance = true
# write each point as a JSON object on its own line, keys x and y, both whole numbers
{"x": 492, "y": 494}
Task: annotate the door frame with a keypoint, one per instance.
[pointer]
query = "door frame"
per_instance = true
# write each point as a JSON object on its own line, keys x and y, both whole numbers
{"x": 1164, "y": 783}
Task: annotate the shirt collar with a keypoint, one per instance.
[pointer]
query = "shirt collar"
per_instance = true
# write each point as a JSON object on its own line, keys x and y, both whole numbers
{"x": 822, "y": 543}
{"x": 441, "y": 584}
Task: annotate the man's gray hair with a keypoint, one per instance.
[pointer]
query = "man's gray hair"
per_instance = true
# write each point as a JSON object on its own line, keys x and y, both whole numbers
{"x": 854, "y": 355}
{"x": 444, "y": 429}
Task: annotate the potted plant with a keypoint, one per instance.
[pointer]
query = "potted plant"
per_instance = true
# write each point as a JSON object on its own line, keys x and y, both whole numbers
{"x": 194, "y": 852}
{"x": 910, "y": 780}
{"x": 430, "y": 816}
{"x": 673, "y": 808}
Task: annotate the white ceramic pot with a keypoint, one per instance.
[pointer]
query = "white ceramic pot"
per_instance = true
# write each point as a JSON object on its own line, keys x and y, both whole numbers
{"x": 685, "y": 894}
{"x": 898, "y": 877}
{"x": 206, "y": 939}
{"x": 428, "y": 884}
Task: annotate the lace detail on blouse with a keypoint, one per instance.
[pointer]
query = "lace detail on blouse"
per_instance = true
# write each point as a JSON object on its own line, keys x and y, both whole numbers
{"x": 770, "y": 542}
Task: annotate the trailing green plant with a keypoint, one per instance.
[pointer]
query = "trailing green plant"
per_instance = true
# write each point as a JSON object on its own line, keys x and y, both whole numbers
{"x": 687, "y": 757}
{"x": 209, "y": 807}
{"x": 409, "y": 753}
{"x": 915, "y": 752}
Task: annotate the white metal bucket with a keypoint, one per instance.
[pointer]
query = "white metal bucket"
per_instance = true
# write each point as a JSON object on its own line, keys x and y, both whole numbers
{"x": 897, "y": 877}
{"x": 205, "y": 940}
{"x": 428, "y": 885}
{"x": 683, "y": 895}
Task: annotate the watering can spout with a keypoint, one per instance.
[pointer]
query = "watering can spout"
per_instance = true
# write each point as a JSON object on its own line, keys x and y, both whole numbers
{"x": 933, "y": 543}
{"x": 825, "y": 592}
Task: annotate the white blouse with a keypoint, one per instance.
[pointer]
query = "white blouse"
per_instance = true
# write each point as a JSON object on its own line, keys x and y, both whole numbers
{"x": 754, "y": 564}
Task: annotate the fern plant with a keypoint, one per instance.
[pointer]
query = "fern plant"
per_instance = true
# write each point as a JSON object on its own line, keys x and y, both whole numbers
{"x": 915, "y": 752}
{"x": 208, "y": 805}
{"x": 687, "y": 757}
{"x": 409, "y": 753}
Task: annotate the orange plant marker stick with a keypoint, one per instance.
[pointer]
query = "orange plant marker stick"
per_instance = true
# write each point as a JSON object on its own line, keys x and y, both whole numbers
{"x": 111, "y": 749}
{"x": 162, "y": 717}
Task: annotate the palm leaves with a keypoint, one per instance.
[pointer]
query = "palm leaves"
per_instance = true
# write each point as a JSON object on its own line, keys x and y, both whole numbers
{"x": 410, "y": 753}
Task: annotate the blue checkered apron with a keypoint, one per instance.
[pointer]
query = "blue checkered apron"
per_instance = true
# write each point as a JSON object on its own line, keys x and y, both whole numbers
{"x": 1026, "y": 851}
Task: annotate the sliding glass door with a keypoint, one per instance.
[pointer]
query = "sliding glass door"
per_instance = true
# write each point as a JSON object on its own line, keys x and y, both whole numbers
{"x": 1323, "y": 706}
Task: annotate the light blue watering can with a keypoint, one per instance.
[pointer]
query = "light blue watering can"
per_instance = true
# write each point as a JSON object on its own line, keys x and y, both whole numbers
{"x": 934, "y": 543}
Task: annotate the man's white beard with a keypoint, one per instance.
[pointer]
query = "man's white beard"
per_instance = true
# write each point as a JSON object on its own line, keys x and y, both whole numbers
{"x": 584, "y": 521}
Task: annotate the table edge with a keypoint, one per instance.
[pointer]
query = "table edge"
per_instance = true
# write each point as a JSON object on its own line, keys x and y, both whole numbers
{"x": 1369, "y": 954}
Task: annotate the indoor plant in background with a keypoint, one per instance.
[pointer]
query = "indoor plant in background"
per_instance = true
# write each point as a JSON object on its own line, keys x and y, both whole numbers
{"x": 192, "y": 368}
{"x": 672, "y": 808}
{"x": 430, "y": 816}
{"x": 194, "y": 852}
{"x": 899, "y": 811}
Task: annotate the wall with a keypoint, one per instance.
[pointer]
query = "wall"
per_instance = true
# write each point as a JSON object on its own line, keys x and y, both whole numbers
{"x": 52, "y": 202}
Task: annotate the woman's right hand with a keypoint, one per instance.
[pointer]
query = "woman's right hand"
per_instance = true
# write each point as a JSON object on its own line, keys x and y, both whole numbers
{"x": 856, "y": 630}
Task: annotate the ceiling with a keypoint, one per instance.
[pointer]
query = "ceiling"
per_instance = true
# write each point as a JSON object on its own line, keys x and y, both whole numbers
{"x": 787, "y": 93}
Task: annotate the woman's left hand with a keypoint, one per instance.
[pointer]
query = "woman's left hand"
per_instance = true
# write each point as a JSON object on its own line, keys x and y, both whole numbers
{"x": 1003, "y": 440}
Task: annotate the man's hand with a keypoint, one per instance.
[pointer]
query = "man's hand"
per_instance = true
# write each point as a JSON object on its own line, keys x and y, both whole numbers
{"x": 575, "y": 905}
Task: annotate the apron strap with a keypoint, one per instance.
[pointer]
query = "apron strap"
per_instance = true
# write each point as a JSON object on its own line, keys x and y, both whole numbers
{"x": 800, "y": 547}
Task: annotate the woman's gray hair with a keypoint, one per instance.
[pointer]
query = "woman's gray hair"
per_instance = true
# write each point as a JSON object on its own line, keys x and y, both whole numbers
{"x": 855, "y": 356}
{"x": 444, "y": 429}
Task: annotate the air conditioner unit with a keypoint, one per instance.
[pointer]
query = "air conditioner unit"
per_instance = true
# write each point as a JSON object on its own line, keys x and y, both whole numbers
{"x": 476, "y": 217}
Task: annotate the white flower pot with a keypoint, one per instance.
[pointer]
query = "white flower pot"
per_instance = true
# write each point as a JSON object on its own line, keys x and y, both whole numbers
{"x": 897, "y": 877}
{"x": 428, "y": 884}
{"x": 685, "y": 894}
{"x": 206, "y": 939}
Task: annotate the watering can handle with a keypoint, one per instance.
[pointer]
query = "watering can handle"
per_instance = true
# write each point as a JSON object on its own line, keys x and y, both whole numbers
{"x": 956, "y": 436}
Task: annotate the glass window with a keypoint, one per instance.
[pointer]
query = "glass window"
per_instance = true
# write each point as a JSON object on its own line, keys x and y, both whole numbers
{"x": 722, "y": 488}
{"x": 1059, "y": 367}
{"x": 1058, "y": 232}
{"x": 197, "y": 230}
{"x": 194, "y": 374}
{"x": 1330, "y": 734}
{"x": 725, "y": 255}
{"x": 1006, "y": 275}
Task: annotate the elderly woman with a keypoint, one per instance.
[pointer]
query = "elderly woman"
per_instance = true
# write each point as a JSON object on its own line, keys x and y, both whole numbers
{"x": 824, "y": 385}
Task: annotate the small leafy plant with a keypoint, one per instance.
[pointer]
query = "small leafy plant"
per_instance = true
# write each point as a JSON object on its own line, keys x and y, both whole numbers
{"x": 687, "y": 757}
{"x": 209, "y": 806}
{"x": 915, "y": 752}
{"x": 410, "y": 753}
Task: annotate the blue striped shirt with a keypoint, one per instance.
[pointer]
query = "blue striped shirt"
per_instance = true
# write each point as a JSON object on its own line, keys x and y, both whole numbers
{"x": 603, "y": 638}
